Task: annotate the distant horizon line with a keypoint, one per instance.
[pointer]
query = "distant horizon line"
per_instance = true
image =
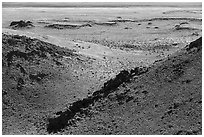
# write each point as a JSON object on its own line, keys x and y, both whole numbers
{"x": 99, "y": 4}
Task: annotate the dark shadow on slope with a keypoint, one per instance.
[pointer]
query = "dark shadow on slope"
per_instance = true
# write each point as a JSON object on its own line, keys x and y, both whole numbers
{"x": 195, "y": 44}
{"x": 67, "y": 118}
{"x": 58, "y": 123}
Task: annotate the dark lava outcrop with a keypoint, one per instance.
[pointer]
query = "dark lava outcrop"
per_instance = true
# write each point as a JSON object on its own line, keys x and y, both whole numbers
{"x": 21, "y": 24}
{"x": 184, "y": 27}
{"x": 195, "y": 45}
{"x": 67, "y": 26}
{"x": 67, "y": 118}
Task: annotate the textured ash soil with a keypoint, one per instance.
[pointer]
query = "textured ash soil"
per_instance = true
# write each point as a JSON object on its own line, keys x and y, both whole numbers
{"x": 165, "y": 100}
{"x": 41, "y": 79}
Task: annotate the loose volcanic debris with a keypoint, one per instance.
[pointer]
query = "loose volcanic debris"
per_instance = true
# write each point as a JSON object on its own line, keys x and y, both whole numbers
{"x": 37, "y": 77}
{"x": 29, "y": 48}
{"x": 21, "y": 24}
{"x": 178, "y": 67}
{"x": 67, "y": 118}
{"x": 17, "y": 50}
{"x": 184, "y": 132}
{"x": 33, "y": 48}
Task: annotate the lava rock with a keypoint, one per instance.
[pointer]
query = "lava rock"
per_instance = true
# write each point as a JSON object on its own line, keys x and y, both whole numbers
{"x": 21, "y": 24}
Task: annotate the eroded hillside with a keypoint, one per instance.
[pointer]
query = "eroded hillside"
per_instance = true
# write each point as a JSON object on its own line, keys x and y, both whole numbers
{"x": 166, "y": 99}
{"x": 41, "y": 80}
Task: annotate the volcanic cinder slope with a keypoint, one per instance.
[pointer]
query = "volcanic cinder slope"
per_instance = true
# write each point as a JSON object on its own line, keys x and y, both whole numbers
{"x": 162, "y": 99}
{"x": 165, "y": 100}
{"x": 102, "y": 70}
{"x": 40, "y": 79}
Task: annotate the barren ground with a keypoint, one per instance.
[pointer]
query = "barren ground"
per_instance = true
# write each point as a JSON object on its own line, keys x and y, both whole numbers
{"x": 102, "y": 71}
